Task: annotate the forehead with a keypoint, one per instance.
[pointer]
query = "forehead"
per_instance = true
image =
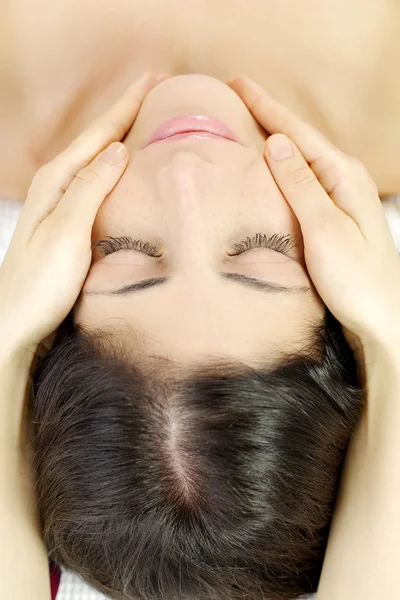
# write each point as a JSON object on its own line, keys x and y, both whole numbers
{"x": 223, "y": 323}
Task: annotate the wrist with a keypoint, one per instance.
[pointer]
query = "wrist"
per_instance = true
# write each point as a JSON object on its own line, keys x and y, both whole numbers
{"x": 15, "y": 357}
{"x": 15, "y": 380}
{"x": 12, "y": 351}
{"x": 381, "y": 365}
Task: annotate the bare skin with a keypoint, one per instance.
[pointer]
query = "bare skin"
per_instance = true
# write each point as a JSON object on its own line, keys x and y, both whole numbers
{"x": 334, "y": 62}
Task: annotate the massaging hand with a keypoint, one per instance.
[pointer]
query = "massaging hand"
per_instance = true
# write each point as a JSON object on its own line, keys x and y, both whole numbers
{"x": 349, "y": 250}
{"x": 50, "y": 253}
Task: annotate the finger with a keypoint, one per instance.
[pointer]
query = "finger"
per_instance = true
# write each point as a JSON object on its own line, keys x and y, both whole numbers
{"x": 53, "y": 179}
{"x": 344, "y": 182}
{"x": 108, "y": 128}
{"x": 162, "y": 77}
{"x": 343, "y": 177}
{"x": 314, "y": 209}
{"x": 75, "y": 214}
{"x": 274, "y": 117}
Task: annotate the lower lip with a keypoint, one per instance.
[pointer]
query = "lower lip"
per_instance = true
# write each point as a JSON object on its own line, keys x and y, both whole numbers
{"x": 199, "y": 127}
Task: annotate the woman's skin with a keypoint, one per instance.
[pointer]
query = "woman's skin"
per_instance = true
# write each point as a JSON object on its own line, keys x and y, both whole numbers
{"x": 194, "y": 198}
{"x": 334, "y": 62}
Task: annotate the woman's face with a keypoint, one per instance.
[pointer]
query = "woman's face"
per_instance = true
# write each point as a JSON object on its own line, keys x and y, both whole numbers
{"x": 194, "y": 199}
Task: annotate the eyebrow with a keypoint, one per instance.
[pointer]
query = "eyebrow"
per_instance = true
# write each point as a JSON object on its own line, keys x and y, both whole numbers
{"x": 252, "y": 282}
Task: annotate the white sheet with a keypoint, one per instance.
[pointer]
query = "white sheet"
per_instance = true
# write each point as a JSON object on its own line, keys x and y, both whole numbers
{"x": 73, "y": 587}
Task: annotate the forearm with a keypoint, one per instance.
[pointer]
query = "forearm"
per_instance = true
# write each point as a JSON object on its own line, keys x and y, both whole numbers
{"x": 24, "y": 569}
{"x": 363, "y": 554}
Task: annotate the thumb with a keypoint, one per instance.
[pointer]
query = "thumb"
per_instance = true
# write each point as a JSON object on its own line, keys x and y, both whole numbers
{"x": 298, "y": 183}
{"x": 78, "y": 208}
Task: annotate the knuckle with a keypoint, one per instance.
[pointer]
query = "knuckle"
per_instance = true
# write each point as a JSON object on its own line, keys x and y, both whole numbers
{"x": 288, "y": 122}
{"x": 372, "y": 187}
{"x": 359, "y": 171}
{"x": 303, "y": 176}
{"x": 356, "y": 167}
{"x": 43, "y": 174}
{"x": 357, "y": 164}
{"x": 88, "y": 176}
{"x": 116, "y": 129}
{"x": 331, "y": 165}
{"x": 337, "y": 173}
{"x": 255, "y": 102}
{"x": 346, "y": 162}
{"x": 341, "y": 167}
{"x": 49, "y": 174}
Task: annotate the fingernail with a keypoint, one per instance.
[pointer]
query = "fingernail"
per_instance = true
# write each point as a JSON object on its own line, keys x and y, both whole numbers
{"x": 114, "y": 154}
{"x": 279, "y": 147}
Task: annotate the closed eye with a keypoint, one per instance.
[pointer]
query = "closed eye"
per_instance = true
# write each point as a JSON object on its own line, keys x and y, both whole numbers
{"x": 277, "y": 242}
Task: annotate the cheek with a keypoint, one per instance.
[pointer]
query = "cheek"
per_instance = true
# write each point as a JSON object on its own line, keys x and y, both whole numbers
{"x": 122, "y": 212}
{"x": 277, "y": 209}
{"x": 269, "y": 205}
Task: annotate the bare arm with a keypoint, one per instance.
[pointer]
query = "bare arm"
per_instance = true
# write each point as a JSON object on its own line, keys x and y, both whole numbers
{"x": 363, "y": 554}
{"x": 24, "y": 567}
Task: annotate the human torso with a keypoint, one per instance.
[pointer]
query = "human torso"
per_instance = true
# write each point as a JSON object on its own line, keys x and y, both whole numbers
{"x": 335, "y": 62}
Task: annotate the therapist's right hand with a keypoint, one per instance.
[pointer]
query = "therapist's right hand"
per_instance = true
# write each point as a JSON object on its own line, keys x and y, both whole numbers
{"x": 348, "y": 247}
{"x": 50, "y": 252}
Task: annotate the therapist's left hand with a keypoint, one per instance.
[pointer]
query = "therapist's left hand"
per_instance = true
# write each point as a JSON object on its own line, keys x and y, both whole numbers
{"x": 50, "y": 253}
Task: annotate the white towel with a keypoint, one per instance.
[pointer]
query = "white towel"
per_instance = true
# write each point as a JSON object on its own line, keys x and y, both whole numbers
{"x": 72, "y": 587}
{"x": 391, "y": 207}
{"x": 9, "y": 214}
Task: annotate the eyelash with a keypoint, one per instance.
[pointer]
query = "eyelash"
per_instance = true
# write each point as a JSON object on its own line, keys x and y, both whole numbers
{"x": 277, "y": 242}
{"x": 110, "y": 245}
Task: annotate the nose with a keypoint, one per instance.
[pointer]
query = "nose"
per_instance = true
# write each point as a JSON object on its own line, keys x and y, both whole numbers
{"x": 183, "y": 185}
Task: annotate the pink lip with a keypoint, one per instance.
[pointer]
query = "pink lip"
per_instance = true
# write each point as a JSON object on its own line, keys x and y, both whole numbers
{"x": 192, "y": 126}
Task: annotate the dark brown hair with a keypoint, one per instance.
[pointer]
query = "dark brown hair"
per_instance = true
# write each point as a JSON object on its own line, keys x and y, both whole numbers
{"x": 213, "y": 483}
